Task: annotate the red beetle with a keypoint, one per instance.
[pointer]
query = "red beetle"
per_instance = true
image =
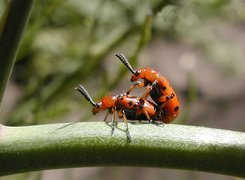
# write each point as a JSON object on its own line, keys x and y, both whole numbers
{"x": 158, "y": 87}
{"x": 127, "y": 107}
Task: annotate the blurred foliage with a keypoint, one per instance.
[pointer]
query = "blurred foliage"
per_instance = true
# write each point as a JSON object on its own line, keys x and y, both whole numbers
{"x": 67, "y": 43}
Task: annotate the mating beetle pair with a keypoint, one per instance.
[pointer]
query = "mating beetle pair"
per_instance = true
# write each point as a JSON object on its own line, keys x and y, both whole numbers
{"x": 164, "y": 110}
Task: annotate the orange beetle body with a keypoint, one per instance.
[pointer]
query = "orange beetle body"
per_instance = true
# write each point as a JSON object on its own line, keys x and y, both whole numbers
{"x": 127, "y": 107}
{"x": 138, "y": 109}
{"x": 133, "y": 107}
{"x": 159, "y": 89}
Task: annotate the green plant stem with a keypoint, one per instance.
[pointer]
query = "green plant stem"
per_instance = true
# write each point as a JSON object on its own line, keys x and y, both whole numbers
{"x": 18, "y": 15}
{"x": 30, "y": 148}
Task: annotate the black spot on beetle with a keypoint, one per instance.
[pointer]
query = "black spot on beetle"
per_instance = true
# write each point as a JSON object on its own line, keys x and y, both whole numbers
{"x": 172, "y": 95}
{"x": 130, "y": 103}
{"x": 176, "y": 108}
{"x": 164, "y": 88}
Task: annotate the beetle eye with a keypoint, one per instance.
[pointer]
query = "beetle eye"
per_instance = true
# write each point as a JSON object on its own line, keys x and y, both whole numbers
{"x": 136, "y": 73}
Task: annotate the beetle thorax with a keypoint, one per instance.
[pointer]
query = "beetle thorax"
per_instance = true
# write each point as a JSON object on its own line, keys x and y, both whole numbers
{"x": 108, "y": 101}
{"x": 150, "y": 75}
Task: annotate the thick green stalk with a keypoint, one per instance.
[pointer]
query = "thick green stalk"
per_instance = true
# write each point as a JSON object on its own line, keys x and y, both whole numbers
{"x": 10, "y": 37}
{"x": 30, "y": 148}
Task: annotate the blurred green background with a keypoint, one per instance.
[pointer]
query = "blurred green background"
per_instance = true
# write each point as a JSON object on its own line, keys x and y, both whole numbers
{"x": 198, "y": 45}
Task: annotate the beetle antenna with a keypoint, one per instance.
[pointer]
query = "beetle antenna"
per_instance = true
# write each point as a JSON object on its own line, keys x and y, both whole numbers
{"x": 83, "y": 91}
{"x": 124, "y": 60}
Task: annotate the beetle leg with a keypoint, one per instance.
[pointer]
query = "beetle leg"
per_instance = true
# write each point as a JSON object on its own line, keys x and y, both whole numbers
{"x": 106, "y": 116}
{"x": 137, "y": 84}
{"x": 146, "y": 95}
{"x": 113, "y": 118}
{"x": 149, "y": 119}
{"x": 146, "y": 114}
{"x": 163, "y": 100}
{"x": 142, "y": 101}
{"x": 126, "y": 123}
{"x": 157, "y": 123}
